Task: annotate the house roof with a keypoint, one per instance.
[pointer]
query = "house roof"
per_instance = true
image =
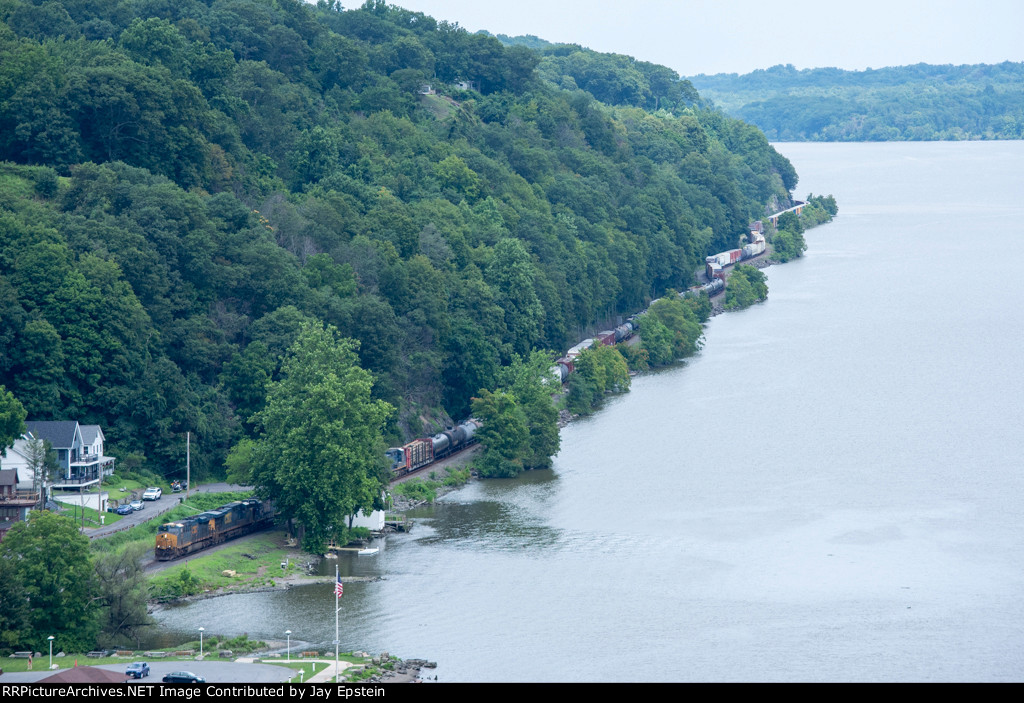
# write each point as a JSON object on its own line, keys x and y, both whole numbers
{"x": 59, "y": 433}
{"x": 8, "y": 477}
{"x": 89, "y": 433}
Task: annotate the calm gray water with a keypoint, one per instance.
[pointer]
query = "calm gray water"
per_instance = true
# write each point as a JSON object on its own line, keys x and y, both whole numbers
{"x": 830, "y": 491}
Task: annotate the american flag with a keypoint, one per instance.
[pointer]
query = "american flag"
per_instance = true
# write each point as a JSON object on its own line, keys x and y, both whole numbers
{"x": 338, "y": 588}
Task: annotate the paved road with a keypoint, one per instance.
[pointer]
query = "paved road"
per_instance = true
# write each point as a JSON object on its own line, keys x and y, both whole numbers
{"x": 213, "y": 671}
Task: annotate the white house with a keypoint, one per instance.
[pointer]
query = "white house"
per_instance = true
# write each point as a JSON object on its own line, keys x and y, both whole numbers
{"x": 374, "y": 522}
{"x": 17, "y": 458}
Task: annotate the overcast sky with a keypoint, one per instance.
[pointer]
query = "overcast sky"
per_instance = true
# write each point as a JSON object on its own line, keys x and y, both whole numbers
{"x": 738, "y": 36}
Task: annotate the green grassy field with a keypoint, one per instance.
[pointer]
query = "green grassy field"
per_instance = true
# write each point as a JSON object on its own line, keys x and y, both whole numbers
{"x": 256, "y": 562}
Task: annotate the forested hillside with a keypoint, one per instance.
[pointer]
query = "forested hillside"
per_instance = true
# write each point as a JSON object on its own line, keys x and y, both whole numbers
{"x": 920, "y": 102}
{"x": 185, "y": 182}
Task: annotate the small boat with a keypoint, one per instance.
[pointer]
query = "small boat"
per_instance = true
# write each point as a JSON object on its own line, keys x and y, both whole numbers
{"x": 369, "y": 551}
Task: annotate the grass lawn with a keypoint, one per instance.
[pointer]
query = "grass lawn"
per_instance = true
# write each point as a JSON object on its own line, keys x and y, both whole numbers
{"x": 9, "y": 664}
{"x": 256, "y": 562}
{"x": 309, "y": 667}
{"x": 92, "y": 518}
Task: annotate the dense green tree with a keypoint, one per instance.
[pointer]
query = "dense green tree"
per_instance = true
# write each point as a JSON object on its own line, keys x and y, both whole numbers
{"x": 919, "y": 102}
{"x": 656, "y": 340}
{"x": 238, "y": 462}
{"x": 598, "y": 370}
{"x": 122, "y": 595}
{"x": 12, "y": 419}
{"x": 14, "y": 607}
{"x": 505, "y": 434}
{"x": 525, "y": 378}
{"x": 53, "y": 563}
{"x": 788, "y": 245}
{"x": 511, "y": 275}
{"x": 680, "y": 318}
{"x": 746, "y": 286}
{"x": 320, "y": 436}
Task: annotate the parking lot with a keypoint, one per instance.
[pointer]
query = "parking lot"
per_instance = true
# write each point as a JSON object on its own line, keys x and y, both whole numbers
{"x": 213, "y": 671}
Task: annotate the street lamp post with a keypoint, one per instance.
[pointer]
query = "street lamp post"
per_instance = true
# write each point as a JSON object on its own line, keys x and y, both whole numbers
{"x": 201, "y": 630}
{"x": 289, "y": 633}
{"x": 51, "y": 650}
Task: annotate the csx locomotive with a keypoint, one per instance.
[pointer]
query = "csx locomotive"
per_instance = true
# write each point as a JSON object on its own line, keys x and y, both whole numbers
{"x": 176, "y": 539}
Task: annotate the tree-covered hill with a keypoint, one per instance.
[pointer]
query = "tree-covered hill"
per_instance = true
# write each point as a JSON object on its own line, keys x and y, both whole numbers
{"x": 185, "y": 183}
{"x": 919, "y": 102}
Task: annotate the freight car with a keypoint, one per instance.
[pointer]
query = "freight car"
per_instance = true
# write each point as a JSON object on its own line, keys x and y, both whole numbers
{"x": 716, "y": 263}
{"x": 176, "y": 539}
{"x": 420, "y": 452}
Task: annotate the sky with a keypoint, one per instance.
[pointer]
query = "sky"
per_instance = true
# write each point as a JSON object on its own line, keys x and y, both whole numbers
{"x": 739, "y": 36}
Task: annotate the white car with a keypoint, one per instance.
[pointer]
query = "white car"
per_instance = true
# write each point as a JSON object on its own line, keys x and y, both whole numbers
{"x": 152, "y": 493}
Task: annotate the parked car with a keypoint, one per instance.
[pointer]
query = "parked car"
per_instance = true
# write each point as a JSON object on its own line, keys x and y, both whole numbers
{"x": 183, "y": 677}
{"x": 137, "y": 670}
{"x": 152, "y": 493}
{"x": 137, "y": 505}
{"x": 124, "y": 509}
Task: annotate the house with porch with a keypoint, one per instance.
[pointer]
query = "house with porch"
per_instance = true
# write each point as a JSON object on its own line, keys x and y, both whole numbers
{"x": 81, "y": 463}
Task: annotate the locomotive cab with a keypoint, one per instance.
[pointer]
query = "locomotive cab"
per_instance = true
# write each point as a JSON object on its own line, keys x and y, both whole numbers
{"x": 167, "y": 540}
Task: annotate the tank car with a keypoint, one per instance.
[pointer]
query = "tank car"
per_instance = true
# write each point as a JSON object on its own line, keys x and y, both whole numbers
{"x": 624, "y": 331}
{"x": 421, "y": 452}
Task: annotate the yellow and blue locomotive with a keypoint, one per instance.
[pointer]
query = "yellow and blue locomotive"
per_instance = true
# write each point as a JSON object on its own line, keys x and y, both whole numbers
{"x": 176, "y": 539}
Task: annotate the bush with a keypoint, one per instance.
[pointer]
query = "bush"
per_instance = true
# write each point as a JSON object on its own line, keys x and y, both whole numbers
{"x": 746, "y": 286}
{"x": 417, "y": 489}
{"x": 788, "y": 245}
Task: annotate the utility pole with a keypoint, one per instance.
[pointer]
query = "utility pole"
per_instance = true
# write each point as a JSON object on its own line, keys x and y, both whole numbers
{"x": 188, "y": 463}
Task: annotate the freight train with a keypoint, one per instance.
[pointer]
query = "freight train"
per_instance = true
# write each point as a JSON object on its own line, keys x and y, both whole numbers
{"x": 420, "y": 452}
{"x": 176, "y": 539}
{"x": 715, "y": 264}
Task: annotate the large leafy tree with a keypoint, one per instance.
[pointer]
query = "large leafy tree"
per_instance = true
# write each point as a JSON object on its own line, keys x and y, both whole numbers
{"x": 746, "y": 286}
{"x": 320, "y": 441}
{"x": 511, "y": 275}
{"x": 12, "y": 419}
{"x": 533, "y": 396}
{"x": 51, "y": 560}
{"x": 122, "y": 594}
{"x": 505, "y": 434}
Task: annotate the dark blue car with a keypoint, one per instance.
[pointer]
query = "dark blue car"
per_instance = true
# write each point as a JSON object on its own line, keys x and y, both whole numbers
{"x": 124, "y": 510}
{"x": 183, "y": 677}
{"x": 137, "y": 670}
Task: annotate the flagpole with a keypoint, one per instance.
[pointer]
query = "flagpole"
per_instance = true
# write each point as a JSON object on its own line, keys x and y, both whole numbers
{"x": 337, "y": 607}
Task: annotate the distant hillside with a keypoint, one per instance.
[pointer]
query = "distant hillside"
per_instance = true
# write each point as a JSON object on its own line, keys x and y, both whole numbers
{"x": 183, "y": 185}
{"x": 916, "y": 103}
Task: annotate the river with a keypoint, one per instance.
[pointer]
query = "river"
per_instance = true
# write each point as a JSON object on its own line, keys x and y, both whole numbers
{"x": 830, "y": 491}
